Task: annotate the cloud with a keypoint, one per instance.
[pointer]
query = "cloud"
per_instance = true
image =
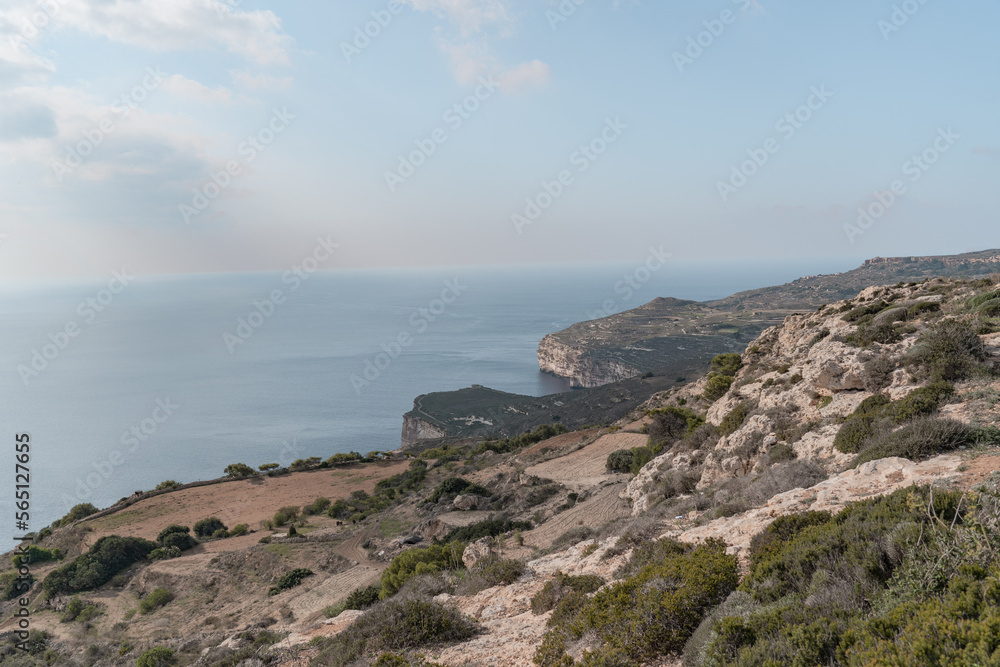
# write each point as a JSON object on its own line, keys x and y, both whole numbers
{"x": 526, "y": 75}
{"x": 182, "y": 86}
{"x": 470, "y": 55}
{"x": 170, "y": 26}
{"x": 470, "y": 16}
{"x": 26, "y": 120}
{"x": 259, "y": 81}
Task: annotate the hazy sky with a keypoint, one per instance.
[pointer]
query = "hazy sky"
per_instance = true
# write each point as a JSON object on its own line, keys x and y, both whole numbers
{"x": 215, "y": 135}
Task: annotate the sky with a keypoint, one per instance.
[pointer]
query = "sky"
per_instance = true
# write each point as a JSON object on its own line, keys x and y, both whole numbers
{"x": 200, "y": 136}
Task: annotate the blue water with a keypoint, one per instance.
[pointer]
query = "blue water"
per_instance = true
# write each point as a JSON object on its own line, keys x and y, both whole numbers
{"x": 286, "y": 391}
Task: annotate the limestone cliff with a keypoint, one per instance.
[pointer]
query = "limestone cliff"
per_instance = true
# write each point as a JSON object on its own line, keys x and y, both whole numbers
{"x": 582, "y": 369}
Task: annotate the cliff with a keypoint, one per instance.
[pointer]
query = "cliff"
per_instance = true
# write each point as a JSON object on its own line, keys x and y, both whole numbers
{"x": 665, "y": 334}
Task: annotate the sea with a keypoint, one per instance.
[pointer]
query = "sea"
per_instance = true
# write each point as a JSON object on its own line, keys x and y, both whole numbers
{"x": 123, "y": 382}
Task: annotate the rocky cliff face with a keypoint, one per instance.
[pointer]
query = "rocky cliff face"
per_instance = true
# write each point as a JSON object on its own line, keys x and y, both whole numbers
{"x": 581, "y": 368}
{"x": 415, "y": 430}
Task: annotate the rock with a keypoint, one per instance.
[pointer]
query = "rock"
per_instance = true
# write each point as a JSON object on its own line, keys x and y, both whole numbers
{"x": 478, "y": 550}
{"x": 416, "y": 430}
{"x": 582, "y": 369}
{"x": 467, "y": 502}
{"x": 890, "y": 316}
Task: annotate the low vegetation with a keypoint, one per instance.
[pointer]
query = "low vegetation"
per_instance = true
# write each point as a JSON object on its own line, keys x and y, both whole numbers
{"x": 106, "y": 558}
{"x": 429, "y": 560}
{"x": 290, "y": 579}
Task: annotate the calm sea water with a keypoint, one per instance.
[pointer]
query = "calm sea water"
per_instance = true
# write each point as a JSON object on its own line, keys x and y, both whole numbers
{"x": 151, "y": 387}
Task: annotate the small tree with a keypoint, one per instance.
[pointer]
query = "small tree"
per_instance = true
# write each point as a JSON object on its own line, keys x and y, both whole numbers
{"x": 206, "y": 527}
{"x": 158, "y": 656}
{"x": 240, "y": 470}
{"x": 268, "y": 467}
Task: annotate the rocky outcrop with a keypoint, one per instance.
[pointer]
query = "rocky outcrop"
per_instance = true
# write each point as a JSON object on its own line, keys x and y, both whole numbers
{"x": 416, "y": 429}
{"x": 581, "y": 368}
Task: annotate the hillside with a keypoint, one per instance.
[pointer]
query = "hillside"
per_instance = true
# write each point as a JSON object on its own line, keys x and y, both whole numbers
{"x": 824, "y": 495}
{"x": 666, "y": 335}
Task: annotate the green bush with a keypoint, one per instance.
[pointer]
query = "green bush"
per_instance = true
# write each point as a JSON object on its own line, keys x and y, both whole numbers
{"x": 165, "y": 485}
{"x": 454, "y": 486}
{"x": 239, "y": 470}
{"x": 517, "y": 443}
{"x": 923, "y": 308}
{"x": 164, "y": 553}
{"x": 285, "y": 515}
{"x": 107, "y": 557}
{"x": 420, "y": 561}
{"x": 77, "y": 512}
{"x": 180, "y": 541}
{"x": 78, "y": 610}
{"x": 158, "y": 656}
{"x": 619, "y": 461}
{"x": 239, "y": 529}
{"x": 860, "y": 425}
{"x": 671, "y": 423}
{"x": 732, "y": 421}
{"x": 171, "y": 529}
{"x": 949, "y": 351}
{"x": 865, "y": 313}
{"x": 156, "y": 599}
{"x": 490, "y": 572}
{"x": 717, "y": 386}
{"x": 555, "y": 590}
{"x": 206, "y": 527}
{"x": 220, "y": 534}
{"x": 362, "y": 598}
{"x": 394, "y": 626}
{"x": 36, "y": 554}
{"x": 318, "y": 506}
{"x": 975, "y": 302}
{"x": 486, "y": 528}
{"x": 919, "y": 440}
{"x": 290, "y": 579}
{"x": 727, "y": 364}
{"x": 780, "y": 452}
{"x": 11, "y": 586}
{"x": 654, "y": 612}
{"x": 864, "y": 423}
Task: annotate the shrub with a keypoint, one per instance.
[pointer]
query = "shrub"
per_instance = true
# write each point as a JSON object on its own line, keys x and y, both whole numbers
{"x": 454, "y": 486}
{"x": 820, "y": 335}
{"x": 239, "y": 529}
{"x": 362, "y": 598}
{"x": 220, "y": 534}
{"x": 619, "y": 461}
{"x": 727, "y": 364}
{"x": 732, "y": 421}
{"x": 394, "y": 625}
{"x": 290, "y": 579}
{"x": 158, "y": 656}
{"x": 285, "y": 515}
{"x": 670, "y": 423}
{"x": 156, "y": 599}
{"x": 78, "y": 610}
{"x": 949, "y": 351}
{"x": 517, "y": 443}
{"x": 168, "y": 484}
{"x": 164, "y": 553}
{"x": 653, "y": 612}
{"x": 318, "y": 506}
{"x": 863, "y": 313}
{"x": 206, "y": 527}
{"x": 922, "y": 308}
{"x": 268, "y": 467}
{"x": 77, "y": 512}
{"x": 179, "y": 541}
{"x": 877, "y": 373}
{"x": 860, "y": 425}
{"x": 974, "y": 302}
{"x": 490, "y": 572}
{"x": 919, "y": 440}
{"x": 171, "y": 529}
{"x": 239, "y": 470}
{"x": 717, "y": 386}
{"x": 107, "y": 557}
{"x": 563, "y": 584}
{"x": 36, "y": 554}
{"x": 481, "y": 529}
{"x": 921, "y": 402}
{"x": 780, "y": 452}
{"x": 420, "y": 561}
{"x": 11, "y": 586}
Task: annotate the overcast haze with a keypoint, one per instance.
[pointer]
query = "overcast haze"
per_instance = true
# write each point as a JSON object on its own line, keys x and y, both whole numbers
{"x": 119, "y": 121}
